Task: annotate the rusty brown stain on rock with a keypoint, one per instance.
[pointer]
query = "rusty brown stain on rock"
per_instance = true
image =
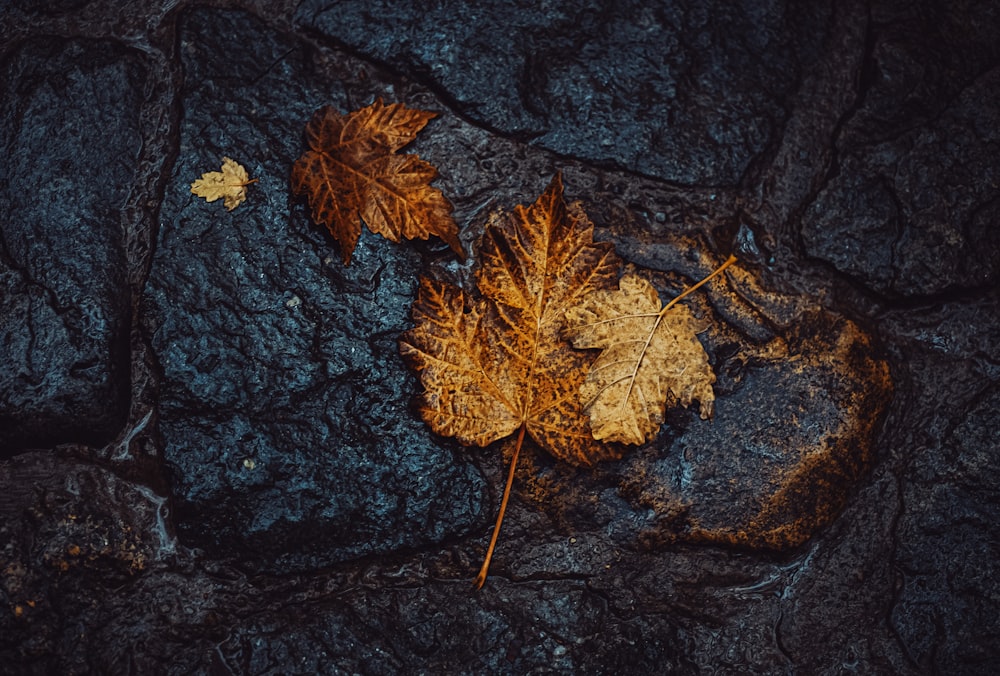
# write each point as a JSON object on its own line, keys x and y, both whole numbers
{"x": 791, "y": 438}
{"x": 811, "y": 491}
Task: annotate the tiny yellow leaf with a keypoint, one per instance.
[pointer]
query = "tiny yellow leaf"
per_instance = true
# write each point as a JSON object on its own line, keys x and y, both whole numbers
{"x": 230, "y": 184}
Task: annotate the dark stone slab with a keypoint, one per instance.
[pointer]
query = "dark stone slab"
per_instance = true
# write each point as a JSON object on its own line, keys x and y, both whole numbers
{"x": 70, "y": 533}
{"x": 948, "y": 602}
{"x": 70, "y": 138}
{"x": 689, "y": 92}
{"x": 911, "y": 206}
{"x": 949, "y": 611}
{"x": 285, "y": 408}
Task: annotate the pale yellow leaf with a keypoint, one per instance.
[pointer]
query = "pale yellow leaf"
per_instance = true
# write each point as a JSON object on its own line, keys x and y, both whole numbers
{"x": 651, "y": 358}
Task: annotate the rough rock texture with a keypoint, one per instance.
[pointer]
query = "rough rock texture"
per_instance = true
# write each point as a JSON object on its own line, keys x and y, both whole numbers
{"x": 916, "y": 165}
{"x": 211, "y": 461}
{"x": 284, "y": 402}
{"x": 70, "y": 142}
{"x": 948, "y": 451}
{"x": 683, "y": 91}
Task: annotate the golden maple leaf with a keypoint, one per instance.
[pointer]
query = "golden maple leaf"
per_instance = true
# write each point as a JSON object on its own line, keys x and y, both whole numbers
{"x": 651, "y": 357}
{"x": 230, "y": 184}
{"x": 352, "y": 172}
{"x": 497, "y": 363}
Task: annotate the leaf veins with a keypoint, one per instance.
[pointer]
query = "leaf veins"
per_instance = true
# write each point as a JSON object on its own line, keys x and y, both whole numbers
{"x": 496, "y": 363}
{"x": 352, "y": 172}
{"x": 230, "y": 184}
{"x": 651, "y": 357}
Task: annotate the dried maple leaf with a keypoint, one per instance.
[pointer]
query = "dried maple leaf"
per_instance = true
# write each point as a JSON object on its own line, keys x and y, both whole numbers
{"x": 497, "y": 363}
{"x": 352, "y": 172}
{"x": 651, "y": 357}
{"x": 230, "y": 184}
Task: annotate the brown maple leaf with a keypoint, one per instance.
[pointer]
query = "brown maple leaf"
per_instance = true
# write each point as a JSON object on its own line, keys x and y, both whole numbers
{"x": 651, "y": 357}
{"x": 497, "y": 363}
{"x": 230, "y": 184}
{"x": 352, "y": 172}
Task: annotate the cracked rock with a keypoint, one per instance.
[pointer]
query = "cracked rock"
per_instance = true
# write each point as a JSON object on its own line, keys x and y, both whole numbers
{"x": 240, "y": 483}
{"x": 285, "y": 406}
{"x": 70, "y": 139}
{"x": 912, "y": 207}
{"x": 651, "y": 88}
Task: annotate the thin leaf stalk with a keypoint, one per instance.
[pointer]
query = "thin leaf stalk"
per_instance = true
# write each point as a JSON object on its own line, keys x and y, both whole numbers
{"x": 666, "y": 308}
{"x": 718, "y": 271}
{"x": 481, "y": 578}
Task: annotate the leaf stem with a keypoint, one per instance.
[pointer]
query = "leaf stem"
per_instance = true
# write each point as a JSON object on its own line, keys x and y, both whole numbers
{"x": 718, "y": 271}
{"x": 652, "y": 330}
{"x": 481, "y": 578}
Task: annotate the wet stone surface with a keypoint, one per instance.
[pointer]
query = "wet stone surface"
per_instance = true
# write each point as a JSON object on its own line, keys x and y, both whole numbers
{"x": 917, "y": 161}
{"x": 71, "y": 138}
{"x": 284, "y": 404}
{"x": 211, "y": 461}
{"x": 687, "y": 92}
{"x": 913, "y": 229}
